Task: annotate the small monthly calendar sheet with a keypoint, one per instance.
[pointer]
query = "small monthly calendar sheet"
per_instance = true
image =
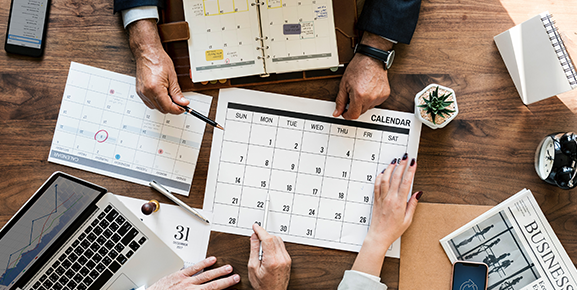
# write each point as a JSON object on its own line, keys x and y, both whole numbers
{"x": 104, "y": 127}
{"x": 319, "y": 171}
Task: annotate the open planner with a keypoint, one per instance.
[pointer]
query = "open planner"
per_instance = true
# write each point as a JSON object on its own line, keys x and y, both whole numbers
{"x": 537, "y": 59}
{"x": 234, "y": 38}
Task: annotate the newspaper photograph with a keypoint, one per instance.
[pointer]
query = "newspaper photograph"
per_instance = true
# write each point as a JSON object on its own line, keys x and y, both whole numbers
{"x": 517, "y": 243}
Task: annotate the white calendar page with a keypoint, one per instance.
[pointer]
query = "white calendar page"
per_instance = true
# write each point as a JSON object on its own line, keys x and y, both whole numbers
{"x": 223, "y": 39}
{"x": 104, "y": 127}
{"x": 299, "y": 35}
{"x": 319, "y": 170}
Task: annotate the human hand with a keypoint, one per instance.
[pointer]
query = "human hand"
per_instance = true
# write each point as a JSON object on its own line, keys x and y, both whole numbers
{"x": 184, "y": 279}
{"x": 273, "y": 272}
{"x": 392, "y": 215}
{"x": 365, "y": 83}
{"x": 156, "y": 81}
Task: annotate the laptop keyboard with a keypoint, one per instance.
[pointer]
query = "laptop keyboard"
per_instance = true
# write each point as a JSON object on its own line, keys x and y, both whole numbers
{"x": 93, "y": 257}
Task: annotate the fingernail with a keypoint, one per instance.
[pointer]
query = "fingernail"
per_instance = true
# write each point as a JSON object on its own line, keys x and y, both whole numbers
{"x": 228, "y": 268}
{"x": 394, "y": 161}
{"x": 405, "y": 156}
{"x": 182, "y": 99}
{"x": 419, "y": 195}
{"x": 236, "y": 278}
{"x": 412, "y": 162}
{"x": 211, "y": 259}
{"x": 335, "y": 113}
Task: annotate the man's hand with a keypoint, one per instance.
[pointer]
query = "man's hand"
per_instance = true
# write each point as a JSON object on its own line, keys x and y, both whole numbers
{"x": 184, "y": 279}
{"x": 365, "y": 83}
{"x": 156, "y": 81}
{"x": 273, "y": 272}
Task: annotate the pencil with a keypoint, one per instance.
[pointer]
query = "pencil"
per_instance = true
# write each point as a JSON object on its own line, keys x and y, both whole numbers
{"x": 266, "y": 204}
{"x": 200, "y": 116}
{"x": 167, "y": 193}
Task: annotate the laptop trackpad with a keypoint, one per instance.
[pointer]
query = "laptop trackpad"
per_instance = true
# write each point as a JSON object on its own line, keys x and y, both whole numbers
{"x": 123, "y": 282}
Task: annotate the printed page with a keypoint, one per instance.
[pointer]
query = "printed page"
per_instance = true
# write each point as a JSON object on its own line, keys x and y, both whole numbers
{"x": 224, "y": 37}
{"x": 299, "y": 35}
{"x": 318, "y": 170}
{"x": 186, "y": 235}
{"x": 104, "y": 127}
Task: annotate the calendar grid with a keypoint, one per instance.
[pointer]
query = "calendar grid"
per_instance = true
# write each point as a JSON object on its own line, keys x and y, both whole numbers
{"x": 318, "y": 170}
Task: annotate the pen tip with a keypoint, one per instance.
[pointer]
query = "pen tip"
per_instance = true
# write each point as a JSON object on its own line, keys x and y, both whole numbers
{"x": 220, "y": 127}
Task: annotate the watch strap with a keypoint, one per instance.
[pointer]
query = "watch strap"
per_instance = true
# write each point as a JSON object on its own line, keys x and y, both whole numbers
{"x": 382, "y": 55}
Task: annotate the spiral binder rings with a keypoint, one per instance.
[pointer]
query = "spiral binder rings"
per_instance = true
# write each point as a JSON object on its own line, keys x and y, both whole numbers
{"x": 230, "y": 39}
{"x": 537, "y": 59}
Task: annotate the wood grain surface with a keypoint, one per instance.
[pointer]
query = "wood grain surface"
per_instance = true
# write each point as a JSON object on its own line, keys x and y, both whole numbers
{"x": 484, "y": 156}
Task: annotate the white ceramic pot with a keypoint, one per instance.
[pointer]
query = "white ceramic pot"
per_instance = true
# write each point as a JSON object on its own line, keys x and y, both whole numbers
{"x": 419, "y": 113}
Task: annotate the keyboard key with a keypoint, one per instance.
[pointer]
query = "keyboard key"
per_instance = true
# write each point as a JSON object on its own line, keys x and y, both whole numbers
{"x": 104, "y": 277}
{"x": 114, "y": 226}
{"x": 57, "y": 286}
{"x": 66, "y": 264}
{"x": 36, "y": 285}
{"x": 101, "y": 240}
{"x": 76, "y": 267}
{"x": 56, "y": 264}
{"x": 134, "y": 245}
{"x": 103, "y": 251}
{"x": 71, "y": 284}
{"x": 113, "y": 254}
{"x": 84, "y": 271}
{"x": 100, "y": 267}
{"x": 91, "y": 237}
{"x": 78, "y": 251}
{"x": 87, "y": 280}
{"x": 124, "y": 229}
{"x": 96, "y": 258}
{"x": 115, "y": 238}
{"x": 49, "y": 271}
{"x": 98, "y": 230}
{"x": 41, "y": 288}
{"x": 69, "y": 250}
{"x": 73, "y": 257}
{"x": 60, "y": 270}
{"x": 142, "y": 240}
{"x": 63, "y": 280}
{"x": 47, "y": 284}
{"x": 121, "y": 259}
{"x": 62, "y": 258}
{"x": 119, "y": 248}
{"x": 104, "y": 223}
{"x": 90, "y": 265}
{"x": 114, "y": 266}
{"x": 77, "y": 278}
{"x": 109, "y": 245}
{"x": 95, "y": 247}
{"x": 94, "y": 222}
{"x": 111, "y": 215}
{"x": 69, "y": 273}
{"x": 107, "y": 233}
{"x": 85, "y": 244}
{"x": 88, "y": 230}
{"x": 120, "y": 219}
{"x": 43, "y": 278}
{"x": 81, "y": 287}
{"x": 106, "y": 261}
{"x": 101, "y": 215}
{"x": 93, "y": 274}
{"x": 88, "y": 253}
{"x": 82, "y": 260}
{"x": 74, "y": 244}
{"x": 129, "y": 254}
{"x": 129, "y": 237}
{"x": 108, "y": 208}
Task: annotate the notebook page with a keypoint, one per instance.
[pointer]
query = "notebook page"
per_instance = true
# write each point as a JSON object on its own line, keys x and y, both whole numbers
{"x": 223, "y": 39}
{"x": 299, "y": 35}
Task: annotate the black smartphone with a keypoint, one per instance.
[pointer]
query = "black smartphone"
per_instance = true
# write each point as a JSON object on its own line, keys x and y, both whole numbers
{"x": 469, "y": 276}
{"x": 27, "y": 23}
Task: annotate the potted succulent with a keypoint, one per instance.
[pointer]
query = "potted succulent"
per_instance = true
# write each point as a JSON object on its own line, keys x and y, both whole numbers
{"x": 436, "y": 106}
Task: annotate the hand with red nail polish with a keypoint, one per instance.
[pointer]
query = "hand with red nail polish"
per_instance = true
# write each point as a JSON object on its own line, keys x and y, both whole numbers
{"x": 187, "y": 278}
{"x": 391, "y": 216}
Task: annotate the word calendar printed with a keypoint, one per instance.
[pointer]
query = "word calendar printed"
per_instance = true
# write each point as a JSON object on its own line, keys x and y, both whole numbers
{"x": 318, "y": 170}
{"x": 104, "y": 127}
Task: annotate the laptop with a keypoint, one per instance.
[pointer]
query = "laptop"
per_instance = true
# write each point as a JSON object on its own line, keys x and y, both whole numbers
{"x": 72, "y": 234}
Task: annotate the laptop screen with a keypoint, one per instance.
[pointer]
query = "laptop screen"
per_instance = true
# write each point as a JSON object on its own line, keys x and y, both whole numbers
{"x": 48, "y": 213}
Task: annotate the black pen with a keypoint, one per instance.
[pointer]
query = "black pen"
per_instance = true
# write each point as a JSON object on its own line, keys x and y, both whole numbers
{"x": 201, "y": 116}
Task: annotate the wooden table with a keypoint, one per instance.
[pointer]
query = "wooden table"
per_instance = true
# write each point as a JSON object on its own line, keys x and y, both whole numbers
{"x": 482, "y": 157}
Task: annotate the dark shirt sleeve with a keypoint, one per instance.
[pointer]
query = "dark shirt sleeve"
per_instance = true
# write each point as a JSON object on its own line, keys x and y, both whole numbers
{"x": 120, "y": 5}
{"x": 393, "y": 19}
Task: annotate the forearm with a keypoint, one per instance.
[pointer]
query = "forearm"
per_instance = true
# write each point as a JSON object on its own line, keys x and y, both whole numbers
{"x": 143, "y": 38}
{"x": 371, "y": 256}
{"x": 376, "y": 41}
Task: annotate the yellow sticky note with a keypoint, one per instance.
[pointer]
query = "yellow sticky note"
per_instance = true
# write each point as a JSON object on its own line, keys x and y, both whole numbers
{"x": 216, "y": 54}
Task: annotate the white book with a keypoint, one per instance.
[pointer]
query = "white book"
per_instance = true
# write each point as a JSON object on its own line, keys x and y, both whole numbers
{"x": 537, "y": 59}
{"x": 235, "y": 38}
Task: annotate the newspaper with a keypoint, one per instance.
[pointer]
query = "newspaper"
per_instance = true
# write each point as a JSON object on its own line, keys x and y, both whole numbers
{"x": 517, "y": 243}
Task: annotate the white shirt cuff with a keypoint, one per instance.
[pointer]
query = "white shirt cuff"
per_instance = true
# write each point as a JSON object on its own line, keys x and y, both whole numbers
{"x": 393, "y": 41}
{"x": 355, "y": 280}
{"x": 138, "y": 13}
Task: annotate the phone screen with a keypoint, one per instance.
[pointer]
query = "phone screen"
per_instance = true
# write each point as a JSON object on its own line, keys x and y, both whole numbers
{"x": 27, "y": 20}
{"x": 469, "y": 276}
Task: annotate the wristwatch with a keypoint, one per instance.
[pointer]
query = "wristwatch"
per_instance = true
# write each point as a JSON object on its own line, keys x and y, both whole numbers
{"x": 386, "y": 57}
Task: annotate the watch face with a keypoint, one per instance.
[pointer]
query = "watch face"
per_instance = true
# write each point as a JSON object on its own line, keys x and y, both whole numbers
{"x": 545, "y": 157}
